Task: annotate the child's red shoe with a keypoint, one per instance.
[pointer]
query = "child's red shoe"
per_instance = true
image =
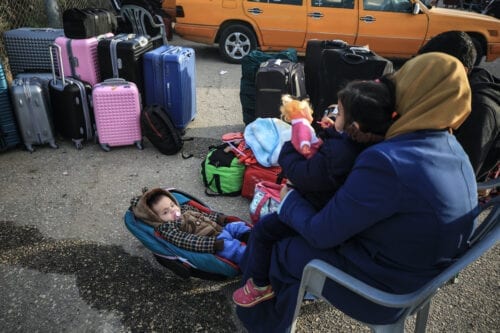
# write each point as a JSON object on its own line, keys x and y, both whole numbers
{"x": 250, "y": 295}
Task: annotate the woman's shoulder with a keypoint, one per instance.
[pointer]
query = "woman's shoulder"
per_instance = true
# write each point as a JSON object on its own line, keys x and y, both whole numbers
{"x": 419, "y": 145}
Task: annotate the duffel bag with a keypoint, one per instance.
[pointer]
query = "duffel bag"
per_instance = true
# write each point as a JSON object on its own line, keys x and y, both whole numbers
{"x": 221, "y": 172}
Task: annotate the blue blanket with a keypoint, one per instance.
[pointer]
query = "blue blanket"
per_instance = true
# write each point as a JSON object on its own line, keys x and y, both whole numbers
{"x": 266, "y": 136}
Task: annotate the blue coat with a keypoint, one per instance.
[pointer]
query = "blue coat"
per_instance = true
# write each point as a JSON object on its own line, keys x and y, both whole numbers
{"x": 320, "y": 176}
{"x": 404, "y": 213}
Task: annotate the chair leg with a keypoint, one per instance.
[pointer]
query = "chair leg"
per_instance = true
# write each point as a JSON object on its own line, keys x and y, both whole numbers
{"x": 397, "y": 327}
{"x": 422, "y": 316}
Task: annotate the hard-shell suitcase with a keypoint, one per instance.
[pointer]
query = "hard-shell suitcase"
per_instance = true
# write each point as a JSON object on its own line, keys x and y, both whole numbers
{"x": 121, "y": 56}
{"x": 274, "y": 78}
{"x": 170, "y": 81}
{"x": 312, "y": 67}
{"x": 117, "y": 110}
{"x": 340, "y": 66}
{"x": 88, "y": 22}
{"x": 9, "y": 135}
{"x": 71, "y": 104}
{"x": 79, "y": 57}
{"x": 28, "y": 49}
{"x": 32, "y": 112}
{"x": 44, "y": 78}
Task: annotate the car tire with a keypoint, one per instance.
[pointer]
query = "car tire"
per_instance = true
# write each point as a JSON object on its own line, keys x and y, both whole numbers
{"x": 236, "y": 41}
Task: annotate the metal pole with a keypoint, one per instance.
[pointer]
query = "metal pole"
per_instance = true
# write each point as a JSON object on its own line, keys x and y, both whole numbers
{"x": 53, "y": 14}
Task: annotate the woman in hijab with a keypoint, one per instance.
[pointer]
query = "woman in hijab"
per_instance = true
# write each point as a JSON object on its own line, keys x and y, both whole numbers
{"x": 404, "y": 213}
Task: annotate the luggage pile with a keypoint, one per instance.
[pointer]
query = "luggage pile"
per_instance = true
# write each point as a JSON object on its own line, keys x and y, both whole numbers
{"x": 89, "y": 82}
{"x": 328, "y": 66}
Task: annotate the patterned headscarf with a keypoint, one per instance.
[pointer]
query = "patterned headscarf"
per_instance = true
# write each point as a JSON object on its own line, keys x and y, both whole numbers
{"x": 432, "y": 92}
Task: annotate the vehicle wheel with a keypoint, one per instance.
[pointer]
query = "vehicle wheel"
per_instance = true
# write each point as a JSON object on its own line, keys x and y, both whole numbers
{"x": 479, "y": 50}
{"x": 236, "y": 41}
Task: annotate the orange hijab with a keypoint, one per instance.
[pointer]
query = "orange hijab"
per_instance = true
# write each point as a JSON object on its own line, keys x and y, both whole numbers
{"x": 432, "y": 92}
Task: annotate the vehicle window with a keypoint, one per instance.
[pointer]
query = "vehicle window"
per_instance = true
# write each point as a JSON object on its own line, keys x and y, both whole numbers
{"x": 400, "y": 6}
{"x": 333, "y": 3}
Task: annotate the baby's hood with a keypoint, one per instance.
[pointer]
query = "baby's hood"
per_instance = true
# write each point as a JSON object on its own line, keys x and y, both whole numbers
{"x": 146, "y": 214}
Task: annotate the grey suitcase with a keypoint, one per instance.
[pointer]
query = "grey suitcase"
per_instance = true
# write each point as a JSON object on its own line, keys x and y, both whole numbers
{"x": 32, "y": 112}
{"x": 28, "y": 49}
{"x": 43, "y": 77}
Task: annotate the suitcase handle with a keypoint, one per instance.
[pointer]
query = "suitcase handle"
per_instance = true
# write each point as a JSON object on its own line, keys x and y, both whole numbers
{"x": 114, "y": 81}
{"x": 59, "y": 62}
{"x": 359, "y": 49}
{"x": 353, "y": 58}
{"x": 334, "y": 43}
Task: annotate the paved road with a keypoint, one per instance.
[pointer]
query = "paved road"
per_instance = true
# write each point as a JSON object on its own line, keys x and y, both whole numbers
{"x": 68, "y": 264}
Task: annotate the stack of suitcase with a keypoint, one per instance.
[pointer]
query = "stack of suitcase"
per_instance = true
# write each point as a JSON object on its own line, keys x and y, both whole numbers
{"x": 331, "y": 64}
{"x": 274, "y": 78}
{"x": 83, "y": 82}
{"x": 121, "y": 56}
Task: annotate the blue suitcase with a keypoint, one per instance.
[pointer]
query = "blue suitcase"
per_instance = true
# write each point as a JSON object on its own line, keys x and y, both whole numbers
{"x": 170, "y": 81}
{"x": 9, "y": 135}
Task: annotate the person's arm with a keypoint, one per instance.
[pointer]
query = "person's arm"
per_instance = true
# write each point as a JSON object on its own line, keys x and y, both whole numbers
{"x": 171, "y": 232}
{"x": 477, "y": 134}
{"x": 217, "y": 217}
{"x": 321, "y": 172}
{"x": 368, "y": 196}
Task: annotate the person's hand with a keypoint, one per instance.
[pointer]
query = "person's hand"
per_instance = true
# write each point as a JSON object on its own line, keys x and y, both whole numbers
{"x": 326, "y": 122}
{"x": 284, "y": 190}
{"x": 305, "y": 149}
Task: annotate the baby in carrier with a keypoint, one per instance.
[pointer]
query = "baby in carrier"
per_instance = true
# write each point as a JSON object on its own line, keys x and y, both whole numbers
{"x": 189, "y": 228}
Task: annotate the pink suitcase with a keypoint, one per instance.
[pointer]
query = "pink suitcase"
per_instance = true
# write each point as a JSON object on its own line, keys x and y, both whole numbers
{"x": 117, "y": 111}
{"x": 79, "y": 57}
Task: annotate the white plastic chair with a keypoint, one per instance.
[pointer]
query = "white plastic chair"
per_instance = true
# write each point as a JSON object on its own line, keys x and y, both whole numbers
{"x": 138, "y": 16}
{"x": 317, "y": 271}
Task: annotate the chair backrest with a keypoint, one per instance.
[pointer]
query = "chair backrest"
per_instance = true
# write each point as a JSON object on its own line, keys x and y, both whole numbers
{"x": 140, "y": 19}
{"x": 317, "y": 271}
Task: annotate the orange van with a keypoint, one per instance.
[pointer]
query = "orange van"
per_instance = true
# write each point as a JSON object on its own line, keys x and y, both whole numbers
{"x": 391, "y": 28}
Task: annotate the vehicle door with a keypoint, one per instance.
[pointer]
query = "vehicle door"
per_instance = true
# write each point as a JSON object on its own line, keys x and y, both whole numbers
{"x": 282, "y": 23}
{"x": 332, "y": 19}
{"x": 388, "y": 27}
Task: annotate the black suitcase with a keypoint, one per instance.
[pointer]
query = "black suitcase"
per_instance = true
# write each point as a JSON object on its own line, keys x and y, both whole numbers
{"x": 71, "y": 104}
{"x": 121, "y": 56}
{"x": 249, "y": 66}
{"x": 312, "y": 66}
{"x": 88, "y": 22}
{"x": 274, "y": 78}
{"x": 340, "y": 66}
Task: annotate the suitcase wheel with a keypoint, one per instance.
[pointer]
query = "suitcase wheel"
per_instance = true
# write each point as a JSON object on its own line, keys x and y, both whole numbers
{"x": 30, "y": 148}
{"x": 78, "y": 144}
{"x": 139, "y": 145}
{"x": 105, "y": 147}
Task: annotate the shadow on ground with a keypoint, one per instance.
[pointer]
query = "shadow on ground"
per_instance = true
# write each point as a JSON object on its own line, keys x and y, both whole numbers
{"x": 109, "y": 279}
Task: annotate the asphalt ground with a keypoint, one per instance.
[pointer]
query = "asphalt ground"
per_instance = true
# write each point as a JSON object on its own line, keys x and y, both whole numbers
{"x": 68, "y": 264}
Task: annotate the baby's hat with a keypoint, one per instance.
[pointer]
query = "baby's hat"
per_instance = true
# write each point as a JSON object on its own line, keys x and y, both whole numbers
{"x": 141, "y": 209}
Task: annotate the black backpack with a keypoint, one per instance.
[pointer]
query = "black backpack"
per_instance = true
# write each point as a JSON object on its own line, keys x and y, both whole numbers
{"x": 157, "y": 126}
